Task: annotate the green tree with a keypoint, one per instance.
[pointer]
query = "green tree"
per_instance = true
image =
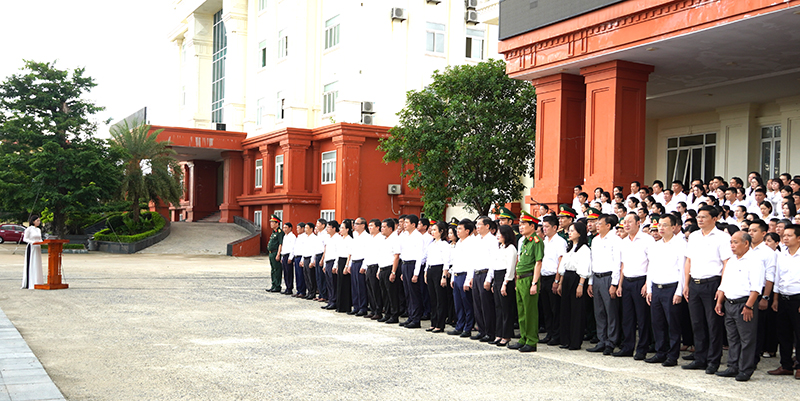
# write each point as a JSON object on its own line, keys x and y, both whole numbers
{"x": 151, "y": 170}
{"x": 49, "y": 158}
{"x": 467, "y": 137}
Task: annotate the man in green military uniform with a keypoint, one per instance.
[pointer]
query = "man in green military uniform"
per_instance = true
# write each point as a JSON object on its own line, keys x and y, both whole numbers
{"x": 506, "y": 218}
{"x": 591, "y": 217}
{"x": 274, "y": 249}
{"x": 566, "y": 216}
{"x": 529, "y": 269}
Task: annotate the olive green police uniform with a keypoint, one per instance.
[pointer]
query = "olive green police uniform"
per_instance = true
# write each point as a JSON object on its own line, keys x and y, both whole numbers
{"x": 275, "y": 241}
{"x": 532, "y": 251}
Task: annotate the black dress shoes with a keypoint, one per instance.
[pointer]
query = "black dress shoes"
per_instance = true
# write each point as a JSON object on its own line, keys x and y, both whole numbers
{"x": 554, "y": 341}
{"x": 656, "y": 359}
{"x": 476, "y": 336}
{"x": 486, "y": 339}
{"x": 622, "y": 353}
{"x": 528, "y": 348}
{"x": 730, "y": 372}
{"x": 608, "y": 351}
{"x": 546, "y": 339}
{"x": 516, "y": 345}
{"x": 695, "y": 366}
{"x": 639, "y": 357}
{"x": 689, "y": 357}
{"x": 351, "y": 313}
{"x": 742, "y": 377}
{"x": 330, "y": 307}
{"x": 670, "y": 362}
{"x": 429, "y": 329}
{"x": 361, "y": 313}
{"x": 563, "y": 346}
{"x": 711, "y": 369}
{"x": 466, "y": 334}
{"x": 596, "y": 348}
{"x": 454, "y": 333}
{"x": 412, "y": 325}
{"x": 392, "y": 321}
{"x": 380, "y": 319}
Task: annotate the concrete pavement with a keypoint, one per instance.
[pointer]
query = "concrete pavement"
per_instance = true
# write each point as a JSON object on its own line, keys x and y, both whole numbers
{"x": 168, "y": 327}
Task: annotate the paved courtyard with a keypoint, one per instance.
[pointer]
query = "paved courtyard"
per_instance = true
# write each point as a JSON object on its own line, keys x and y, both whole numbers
{"x": 175, "y": 327}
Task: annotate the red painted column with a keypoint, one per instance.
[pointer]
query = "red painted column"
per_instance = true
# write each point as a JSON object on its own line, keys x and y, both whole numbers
{"x": 615, "y": 123}
{"x": 348, "y": 177}
{"x": 248, "y": 182}
{"x": 294, "y": 164}
{"x": 558, "y": 167}
{"x": 266, "y": 175}
{"x": 232, "y": 186}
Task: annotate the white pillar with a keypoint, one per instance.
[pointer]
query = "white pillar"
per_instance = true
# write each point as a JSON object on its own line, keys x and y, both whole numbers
{"x": 234, "y": 16}
{"x": 199, "y": 49}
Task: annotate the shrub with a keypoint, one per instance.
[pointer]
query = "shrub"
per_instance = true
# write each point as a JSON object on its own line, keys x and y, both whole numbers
{"x": 154, "y": 221}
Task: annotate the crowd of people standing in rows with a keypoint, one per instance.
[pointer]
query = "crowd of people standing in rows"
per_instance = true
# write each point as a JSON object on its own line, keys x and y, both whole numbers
{"x": 655, "y": 272}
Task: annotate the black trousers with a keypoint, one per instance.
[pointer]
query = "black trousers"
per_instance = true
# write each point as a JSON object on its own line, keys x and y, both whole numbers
{"x": 374, "y": 290}
{"x": 573, "y": 311}
{"x": 483, "y": 306}
{"x": 687, "y": 335}
{"x": 788, "y": 329}
{"x": 635, "y": 314}
{"x": 390, "y": 292}
{"x": 706, "y": 324}
{"x": 666, "y": 319}
{"x": 344, "y": 300}
{"x": 504, "y": 311}
{"x": 767, "y": 339}
{"x": 412, "y": 291}
{"x": 310, "y": 275}
{"x": 438, "y": 296}
{"x": 551, "y": 307}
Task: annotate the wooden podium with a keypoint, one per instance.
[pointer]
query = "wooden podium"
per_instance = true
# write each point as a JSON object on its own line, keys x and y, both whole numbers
{"x": 54, "y": 248}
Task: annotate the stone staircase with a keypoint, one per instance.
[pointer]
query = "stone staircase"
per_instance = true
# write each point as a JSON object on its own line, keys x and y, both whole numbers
{"x": 212, "y": 218}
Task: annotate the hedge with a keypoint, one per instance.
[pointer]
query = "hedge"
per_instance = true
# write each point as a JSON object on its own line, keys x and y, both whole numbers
{"x": 108, "y": 235}
{"x": 69, "y": 246}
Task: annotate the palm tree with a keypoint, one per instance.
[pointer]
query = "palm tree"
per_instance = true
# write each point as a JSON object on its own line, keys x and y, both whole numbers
{"x": 151, "y": 170}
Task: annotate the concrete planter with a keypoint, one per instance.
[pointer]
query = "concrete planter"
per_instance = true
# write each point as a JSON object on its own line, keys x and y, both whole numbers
{"x": 132, "y": 247}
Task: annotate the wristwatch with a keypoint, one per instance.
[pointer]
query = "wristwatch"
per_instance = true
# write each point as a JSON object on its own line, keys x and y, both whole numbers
{"x": 764, "y": 297}
{"x": 555, "y": 281}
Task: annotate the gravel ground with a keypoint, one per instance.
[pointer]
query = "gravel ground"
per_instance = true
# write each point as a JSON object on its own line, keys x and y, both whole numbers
{"x": 179, "y": 327}
{"x": 198, "y": 239}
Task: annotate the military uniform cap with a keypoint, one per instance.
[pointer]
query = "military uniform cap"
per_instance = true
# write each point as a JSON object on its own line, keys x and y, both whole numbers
{"x": 275, "y": 219}
{"x": 505, "y": 213}
{"x": 592, "y": 214}
{"x": 566, "y": 210}
{"x": 527, "y": 218}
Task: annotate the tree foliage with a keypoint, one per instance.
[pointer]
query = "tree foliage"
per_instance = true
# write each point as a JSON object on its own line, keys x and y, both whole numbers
{"x": 141, "y": 151}
{"x": 467, "y": 137}
{"x": 49, "y": 159}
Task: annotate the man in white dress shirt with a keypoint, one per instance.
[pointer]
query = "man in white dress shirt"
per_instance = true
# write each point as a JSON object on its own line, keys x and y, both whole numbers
{"x": 482, "y": 299}
{"x": 358, "y": 278}
{"x": 665, "y": 280}
{"x": 677, "y": 191}
{"x": 554, "y": 249}
{"x": 606, "y": 265}
{"x": 739, "y": 292}
{"x": 633, "y": 290}
{"x": 388, "y": 251}
{"x": 658, "y": 192}
{"x": 371, "y": 261}
{"x": 786, "y": 300}
{"x": 707, "y": 253}
{"x": 671, "y": 204}
{"x": 287, "y": 258}
{"x": 299, "y": 245}
{"x": 758, "y": 230}
{"x": 411, "y": 256}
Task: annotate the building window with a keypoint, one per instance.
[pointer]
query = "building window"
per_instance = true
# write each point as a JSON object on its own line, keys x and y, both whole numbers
{"x": 262, "y": 4}
{"x": 280, "y": 104}
{"x": 283, "y": 44}
{"x": 259, "y": 110}
{"x": 218, "y": 69}
{"x": 329, "y": 167}
{"x": 279, "y": 170}
{"x": 279, "y": 214}
{"x": 691, "y": 157}
{"x": 475, "y": 44}
{"x": 257, "y": 218}
{"x": 332, "y": 32}
{"x": 770, "y": 151}
{"x": 328, "y": 215}
{"x": 262, "y": 48}
{"x": 434, "y": 37}
{"x": 259, "y": 172}
{"x": 329, "y": 95}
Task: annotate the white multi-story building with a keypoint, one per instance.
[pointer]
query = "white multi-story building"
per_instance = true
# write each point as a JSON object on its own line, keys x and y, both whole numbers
{"x": 263, "y": 65}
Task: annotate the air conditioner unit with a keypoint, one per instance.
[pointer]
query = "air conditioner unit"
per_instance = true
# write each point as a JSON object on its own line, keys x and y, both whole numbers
{"x": 394, "y": 189}
{"x": 368, "y": 107}
{"x": 367, "y": 119}
{"x": 471, "y": 16}
{"x": 220, "y": 127}
{"x": 434, "y": 1}
{"x": 399, "y": 14}
{"x": 471, "y": 4}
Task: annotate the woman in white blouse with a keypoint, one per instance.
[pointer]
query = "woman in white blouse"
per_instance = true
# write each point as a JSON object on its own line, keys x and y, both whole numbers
{"x": 330, "y": 257}
{"x": 436, "y": 268}
{"x": 32, "y": 274}
{"x": 503, "y": 286}
{"x": 699, "y": 197}
{"x": 574, "y": 270}
{"x": 344, "y": 301}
